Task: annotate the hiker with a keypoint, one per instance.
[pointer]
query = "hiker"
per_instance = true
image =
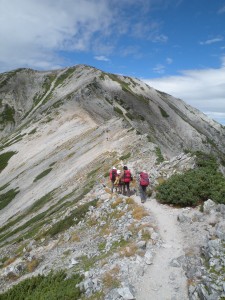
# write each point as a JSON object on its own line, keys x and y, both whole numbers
{"x": 126, "y": 178}
{"x": 143, "y": 183}
{"x": 112, "y": 176}
{"x": 117, "y": 182}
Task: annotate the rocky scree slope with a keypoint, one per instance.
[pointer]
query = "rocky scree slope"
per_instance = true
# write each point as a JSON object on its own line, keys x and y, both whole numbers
{"x": 112, "y": 240}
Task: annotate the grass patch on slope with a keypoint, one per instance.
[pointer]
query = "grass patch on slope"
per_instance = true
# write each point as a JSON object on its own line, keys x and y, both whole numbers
{"x": 41, "y": 202}
{"x": 35, "y": 223}
{"x": 7, "y": 197}
{"x": 125, "y": 156}
{"x": 4, "y": 159}
{"x": 42, "y": 174}
{"x": 75, "y": 217}
{"x": 163, "y": 112}
{"x": 32, "y": 230}
{"x": 7, "y": 115}
{"x": 50, "y": 287}
{"x": 160, "y": 157}
{"x": 4, "y": 187}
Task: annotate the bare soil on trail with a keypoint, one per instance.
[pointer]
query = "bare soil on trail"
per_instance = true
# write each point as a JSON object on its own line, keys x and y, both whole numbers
{"x": 161, "y": 280}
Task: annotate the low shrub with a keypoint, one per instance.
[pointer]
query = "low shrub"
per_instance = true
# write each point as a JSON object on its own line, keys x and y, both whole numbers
{"x": 160, "y": 157}
{"x": 50, "y": 287}
{"x": 194, "y": 186}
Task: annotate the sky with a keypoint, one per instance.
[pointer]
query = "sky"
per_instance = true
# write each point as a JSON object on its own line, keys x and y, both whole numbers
{"x": 176, "y": 46}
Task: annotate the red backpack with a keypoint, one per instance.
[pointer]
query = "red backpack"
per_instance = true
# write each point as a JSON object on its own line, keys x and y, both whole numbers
{"x": 112, "y": 174}
{"x": 144, "y": 179}
{"x": 127, "y": 176}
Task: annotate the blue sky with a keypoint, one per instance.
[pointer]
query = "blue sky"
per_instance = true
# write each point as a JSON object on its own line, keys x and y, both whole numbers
{"x": 176, "y": 46}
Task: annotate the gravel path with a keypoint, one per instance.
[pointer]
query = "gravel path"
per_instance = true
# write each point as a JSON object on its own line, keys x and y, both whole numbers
{"x": 162, "y": 281}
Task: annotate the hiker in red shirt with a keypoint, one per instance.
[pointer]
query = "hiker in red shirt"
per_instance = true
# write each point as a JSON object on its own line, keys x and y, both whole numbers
{"x": 143, "y": 183}
{"x": 126, "y": 178}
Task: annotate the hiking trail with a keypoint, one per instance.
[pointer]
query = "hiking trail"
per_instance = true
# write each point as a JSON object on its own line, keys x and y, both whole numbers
{"x": 161, "y": 280}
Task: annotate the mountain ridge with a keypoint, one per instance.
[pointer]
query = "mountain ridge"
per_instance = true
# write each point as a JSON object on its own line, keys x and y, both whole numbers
{"x": 61, "y": 131}
{"x": 150, "y": 111}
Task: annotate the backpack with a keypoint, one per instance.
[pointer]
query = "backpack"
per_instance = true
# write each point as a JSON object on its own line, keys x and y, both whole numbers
{"x": 127, "y": 176}
{"x": 144, "y": 179}
{"x": 117, "y": 181}
{"x": 113, "y": 174}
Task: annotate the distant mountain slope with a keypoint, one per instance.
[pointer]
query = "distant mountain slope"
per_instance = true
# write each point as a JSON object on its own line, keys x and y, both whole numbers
{"x": 27, "y": 96}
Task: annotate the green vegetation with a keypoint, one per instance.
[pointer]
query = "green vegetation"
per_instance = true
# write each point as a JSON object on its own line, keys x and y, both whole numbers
{"x": 118, "y": 110}
{"x": 160, "y": 157}
{"x": 93, "y": 172}
{"x": 33, "y": 131}
{"x": 6, "y": 79}
{"x": 140, "y": 117}
{"x": 129, "y": 116}
{"x": 142, "y": 99}
{"x": 125, "y": 156}
{"x": 124, "y": 85}
{"x": 63, "y": 76}
{"x": 4, "y": 186}
{"x": 42, "y": 174}
{"x": 4, "y": 158}
{"x": 75, "y": 217}
{"x": 32, "y": 230}
{"x": 35, "y": 223}
{"x": 163, "y": 112}
{"x": 149, "y": 139}
{"x": 102, "y": 76}
{"x": 50, "y": 287}
{"x": 46, "y": 86}
{"x": 57, "y": 104}
{"x": 14, "y": 140}
{"x": 41, "y": 202}
{"x": 194, "y": 186}
{"x": 8, "y": 114}
{"x": 7, "y": 197}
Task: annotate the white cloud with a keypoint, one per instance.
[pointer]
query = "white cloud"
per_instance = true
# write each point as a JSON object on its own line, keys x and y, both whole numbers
{"x": 32, "y": 31}
{"x": 202, "y": 89}
{"x": 212, "y": 41}
{"x": 37, "y": 34}
{"x": 101, "y": 58}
